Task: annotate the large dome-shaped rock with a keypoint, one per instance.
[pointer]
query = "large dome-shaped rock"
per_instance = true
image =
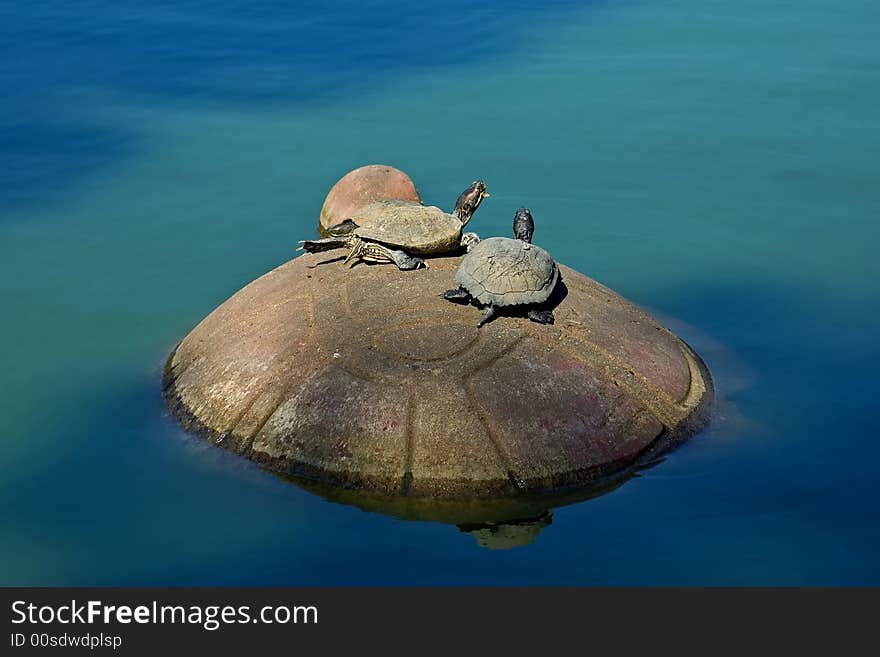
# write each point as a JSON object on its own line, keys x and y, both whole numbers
{"x": 361, "y": 187}
{"x": 365, "y": 378}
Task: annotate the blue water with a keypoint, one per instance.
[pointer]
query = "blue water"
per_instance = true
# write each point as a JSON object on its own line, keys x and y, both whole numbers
{"x": 713, "y": 161}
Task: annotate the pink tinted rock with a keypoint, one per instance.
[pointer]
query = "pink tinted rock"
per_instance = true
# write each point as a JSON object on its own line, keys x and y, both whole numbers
{"x": 358, "y": 188}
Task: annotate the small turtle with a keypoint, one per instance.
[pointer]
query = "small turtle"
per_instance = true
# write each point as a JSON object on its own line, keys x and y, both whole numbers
{"x": 398, "y": 231}
{"x": 501, "y": 271}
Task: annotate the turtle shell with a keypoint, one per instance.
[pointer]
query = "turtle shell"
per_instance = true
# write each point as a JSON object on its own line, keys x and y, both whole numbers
{"x": 418, "y": 229}
{"x": 501, "y": 271}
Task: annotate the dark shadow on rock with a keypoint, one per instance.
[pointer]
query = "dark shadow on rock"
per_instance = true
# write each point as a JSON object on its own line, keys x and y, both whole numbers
{"x": 329, "y": 261}
{"x": 556, "y": 297}
{"x": 521, "y": 312}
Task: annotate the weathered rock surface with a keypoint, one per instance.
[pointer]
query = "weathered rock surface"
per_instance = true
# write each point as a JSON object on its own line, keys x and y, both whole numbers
{"x": 364, "y": 378}
{"x": 374, "y": 182}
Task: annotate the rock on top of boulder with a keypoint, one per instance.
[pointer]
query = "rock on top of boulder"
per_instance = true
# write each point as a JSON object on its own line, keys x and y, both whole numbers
{"x": 359, "y": 188}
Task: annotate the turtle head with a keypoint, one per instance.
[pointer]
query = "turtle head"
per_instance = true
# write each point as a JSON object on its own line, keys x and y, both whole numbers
{"x": 469, "y": 201}
{"x": 523, "y": 225}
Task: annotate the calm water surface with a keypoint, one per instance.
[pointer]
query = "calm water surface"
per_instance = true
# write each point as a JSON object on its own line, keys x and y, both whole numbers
{"x": 713, "y": 161}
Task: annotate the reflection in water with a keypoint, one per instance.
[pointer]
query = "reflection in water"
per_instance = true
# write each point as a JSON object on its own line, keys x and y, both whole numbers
{"x": 501, "y": 523}
{"x": 510, "y": 534}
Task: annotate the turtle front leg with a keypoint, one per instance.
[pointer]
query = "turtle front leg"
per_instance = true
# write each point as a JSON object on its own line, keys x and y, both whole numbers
{"x": 541, "y": 316}
{"x": 486, "y": 314}
{"x": 357, "y": 252}
{"x": 457, "y": 296}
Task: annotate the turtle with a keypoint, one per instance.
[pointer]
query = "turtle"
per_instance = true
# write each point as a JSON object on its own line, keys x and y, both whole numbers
{"x": 500, "y": 271}
{"x": 399, "y": 231}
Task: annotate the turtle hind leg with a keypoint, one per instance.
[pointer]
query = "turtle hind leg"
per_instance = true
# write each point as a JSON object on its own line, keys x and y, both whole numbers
{"x": 404, "y": 260}
{"x": 457, "y": 296}
{"x": 541, "y": 316}
{"x": 375, "y": 252}
{"x": 486, "y": 314}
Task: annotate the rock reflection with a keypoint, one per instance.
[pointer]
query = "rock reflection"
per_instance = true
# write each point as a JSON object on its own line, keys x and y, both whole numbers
{"x": 509, "y": 534}
{"x": 495, "y": 524}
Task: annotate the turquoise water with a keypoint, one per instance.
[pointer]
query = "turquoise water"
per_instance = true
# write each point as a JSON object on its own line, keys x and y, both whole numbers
{"x": 713, "y": 161}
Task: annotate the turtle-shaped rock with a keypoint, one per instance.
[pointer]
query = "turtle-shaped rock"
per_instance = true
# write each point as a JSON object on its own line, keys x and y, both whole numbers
{"x": 363, "y": 380}
{"x": 399, "y": 231}
{"x": 501, "y": 271}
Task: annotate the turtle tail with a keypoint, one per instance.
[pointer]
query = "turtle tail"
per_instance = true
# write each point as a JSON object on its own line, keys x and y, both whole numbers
{"x": 328, "y": 244}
